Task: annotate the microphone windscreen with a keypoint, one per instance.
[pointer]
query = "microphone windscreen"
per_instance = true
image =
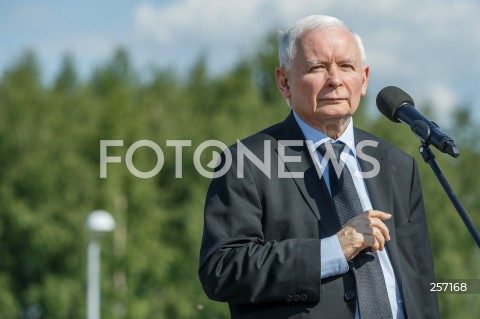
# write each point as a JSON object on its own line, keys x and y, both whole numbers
{"x": 389, "y": 99}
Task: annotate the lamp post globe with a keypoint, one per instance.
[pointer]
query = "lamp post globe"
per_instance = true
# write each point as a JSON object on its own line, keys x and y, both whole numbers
{"x": 100, "y": 221}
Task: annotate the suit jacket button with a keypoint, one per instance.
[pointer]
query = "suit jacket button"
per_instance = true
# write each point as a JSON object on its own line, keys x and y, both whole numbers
{"x": 349, "y": 295}
{"x": 289, "y": 298}
{"x": 296, "y": 298}
{"x": 303, "y": 297}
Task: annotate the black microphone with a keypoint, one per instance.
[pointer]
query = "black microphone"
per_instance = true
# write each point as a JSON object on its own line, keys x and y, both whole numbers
{"x": 398, "y": 106}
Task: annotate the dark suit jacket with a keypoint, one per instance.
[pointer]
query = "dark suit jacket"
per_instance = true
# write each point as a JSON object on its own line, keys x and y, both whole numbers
{"x": 261, "y": 250}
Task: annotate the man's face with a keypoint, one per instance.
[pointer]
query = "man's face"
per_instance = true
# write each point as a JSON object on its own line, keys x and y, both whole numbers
{"x": 326, "y": 79}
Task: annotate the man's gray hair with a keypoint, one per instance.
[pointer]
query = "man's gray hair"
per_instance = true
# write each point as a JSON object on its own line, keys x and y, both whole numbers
{"x": 288, "y": 38}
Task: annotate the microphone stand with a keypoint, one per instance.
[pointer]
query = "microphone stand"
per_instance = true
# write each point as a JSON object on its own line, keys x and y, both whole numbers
{"x": 422, "y": 131}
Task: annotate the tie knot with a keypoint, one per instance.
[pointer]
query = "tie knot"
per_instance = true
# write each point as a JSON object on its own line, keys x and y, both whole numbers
{"x": 336, "y": 147}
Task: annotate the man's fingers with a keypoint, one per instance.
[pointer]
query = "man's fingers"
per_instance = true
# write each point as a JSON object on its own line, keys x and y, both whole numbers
{"x": 378, "y": 224}
{"x": 364, "y": 230}
{"x": 380, "y": 239}
{"x": 362, "y": 223}
{"x": 372, "y": 237}
{"x": 377, "y": 214}
{"x": 374, "y": 218}
{"x": 370, "y": 241}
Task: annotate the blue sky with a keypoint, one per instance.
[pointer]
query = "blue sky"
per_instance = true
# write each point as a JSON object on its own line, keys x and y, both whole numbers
{"x": 429, "y": 48}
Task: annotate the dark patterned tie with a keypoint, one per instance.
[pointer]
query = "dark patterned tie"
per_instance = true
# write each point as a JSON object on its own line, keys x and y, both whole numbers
{"x": 372, "y": 294}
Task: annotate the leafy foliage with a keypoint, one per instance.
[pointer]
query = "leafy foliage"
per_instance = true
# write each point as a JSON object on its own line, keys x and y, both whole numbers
{"x": 50, "y": 181}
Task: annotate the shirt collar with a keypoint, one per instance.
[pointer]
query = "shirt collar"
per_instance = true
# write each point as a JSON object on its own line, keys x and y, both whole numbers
{"x": 318, "y": 137}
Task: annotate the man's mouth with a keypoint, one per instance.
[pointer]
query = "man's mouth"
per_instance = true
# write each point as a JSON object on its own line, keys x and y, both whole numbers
{"x": 334, "y": 100}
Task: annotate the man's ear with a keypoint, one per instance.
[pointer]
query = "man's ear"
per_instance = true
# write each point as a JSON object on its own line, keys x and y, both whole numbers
{"x": 281, "y": 77}
{"x": 366, "y": 74}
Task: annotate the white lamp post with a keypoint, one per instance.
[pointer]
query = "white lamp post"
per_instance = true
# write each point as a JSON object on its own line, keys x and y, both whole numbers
{"x": 98, "y": 222}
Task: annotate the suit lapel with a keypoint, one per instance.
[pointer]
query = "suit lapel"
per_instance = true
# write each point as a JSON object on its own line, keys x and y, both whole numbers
{"x": 312, "y": 188}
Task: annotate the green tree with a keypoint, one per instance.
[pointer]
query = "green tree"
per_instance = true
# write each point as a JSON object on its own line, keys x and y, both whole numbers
{"x": 49, "y": 181}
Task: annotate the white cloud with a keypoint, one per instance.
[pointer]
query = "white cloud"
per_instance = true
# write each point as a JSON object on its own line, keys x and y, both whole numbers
{"x": 199, "y": 21}
{"x": 224, "y": 29}
{"x": 428, "y": 48}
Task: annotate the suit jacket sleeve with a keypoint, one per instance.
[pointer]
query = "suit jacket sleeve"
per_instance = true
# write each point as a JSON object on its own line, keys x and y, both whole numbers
{"x": 237, "y": 264}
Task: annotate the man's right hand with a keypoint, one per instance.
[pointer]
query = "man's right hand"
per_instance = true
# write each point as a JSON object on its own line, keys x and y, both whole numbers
{"x": 362, "y": 231}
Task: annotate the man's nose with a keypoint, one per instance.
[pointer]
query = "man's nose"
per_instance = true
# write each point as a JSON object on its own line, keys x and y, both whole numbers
{"x": 333, "y": 77}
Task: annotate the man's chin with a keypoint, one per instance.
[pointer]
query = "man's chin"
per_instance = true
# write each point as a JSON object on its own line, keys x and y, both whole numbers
{"x": 332, "y": 112}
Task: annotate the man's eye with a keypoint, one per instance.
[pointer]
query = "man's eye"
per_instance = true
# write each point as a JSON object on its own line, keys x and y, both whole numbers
{"x": 318, "y": 67}
{"x": 347, "y": 67}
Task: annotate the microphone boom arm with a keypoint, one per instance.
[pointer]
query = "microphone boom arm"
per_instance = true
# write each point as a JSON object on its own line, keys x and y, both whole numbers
{"x": 429, "y": 158}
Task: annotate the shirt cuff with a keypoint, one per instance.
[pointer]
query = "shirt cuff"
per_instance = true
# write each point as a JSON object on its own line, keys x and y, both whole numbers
{"x": 332, "y": 259}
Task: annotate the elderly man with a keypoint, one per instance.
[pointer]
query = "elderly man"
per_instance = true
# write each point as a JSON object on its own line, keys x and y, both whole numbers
{"x": 311, "y": 236}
